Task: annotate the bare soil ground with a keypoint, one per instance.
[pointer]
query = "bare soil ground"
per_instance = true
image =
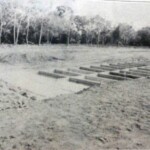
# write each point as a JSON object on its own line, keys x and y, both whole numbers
{"x": 113, "y": 116}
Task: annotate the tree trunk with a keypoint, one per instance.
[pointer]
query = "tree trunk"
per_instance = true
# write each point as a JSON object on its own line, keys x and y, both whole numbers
{"x": 14, "y": 29}
{"x": 98, "y": 37}
{"x": 87, "y": 38}
{"x": 103, "y": 42}
{"x": 18, "y": 32}
{"x": 27, "y": 35}
{"x": 51, "y": 39}
{"x": 1, "y": 31}
{"x": 91, "y": 40}
{"x": 48, "y": 37}
{"x": 68, "y": 38}
{"x": 41, "y": 32}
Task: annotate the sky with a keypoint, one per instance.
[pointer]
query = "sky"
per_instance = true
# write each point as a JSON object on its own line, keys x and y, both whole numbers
{"x": 136, "y": 14}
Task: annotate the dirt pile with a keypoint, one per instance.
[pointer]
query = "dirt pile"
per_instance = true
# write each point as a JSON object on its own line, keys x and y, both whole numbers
{"x": 12, "y": 98}
{"x": 30, "y": 57}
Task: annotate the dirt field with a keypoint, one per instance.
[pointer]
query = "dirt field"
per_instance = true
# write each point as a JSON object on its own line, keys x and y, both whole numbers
{"x": 113, "y": 116}
{"x": 20, "y": 64}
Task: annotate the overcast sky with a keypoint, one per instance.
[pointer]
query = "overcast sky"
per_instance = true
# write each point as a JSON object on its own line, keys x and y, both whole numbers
{"x": 136, "y": 14}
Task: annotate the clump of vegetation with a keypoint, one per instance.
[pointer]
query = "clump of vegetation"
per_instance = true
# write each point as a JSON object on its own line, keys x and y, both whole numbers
{"x": 31, "y": 24}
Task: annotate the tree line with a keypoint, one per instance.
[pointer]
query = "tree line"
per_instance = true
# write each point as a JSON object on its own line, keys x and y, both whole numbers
{"x": 31, "y": 24}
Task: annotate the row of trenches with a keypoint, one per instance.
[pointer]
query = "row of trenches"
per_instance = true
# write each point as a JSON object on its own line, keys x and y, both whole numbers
{"x": 94, "y": 75}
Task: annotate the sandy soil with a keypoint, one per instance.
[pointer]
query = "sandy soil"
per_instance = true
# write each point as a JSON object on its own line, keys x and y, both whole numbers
{"x": 113, "y": 116}
{"x": 19, "y": 64}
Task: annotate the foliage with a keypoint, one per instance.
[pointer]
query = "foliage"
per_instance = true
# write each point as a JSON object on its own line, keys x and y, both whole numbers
{"x": 32, "y": 24}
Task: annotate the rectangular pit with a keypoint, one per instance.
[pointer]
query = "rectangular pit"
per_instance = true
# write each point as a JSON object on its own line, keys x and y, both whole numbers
{"x": 125, "y": 75}
{"x": 105, "y": 68}
{"x": 111, "y": 77}
{"x": 93, "y": 78}
{"x": 66, "y": 73}
{"x": 85, "y": 82}
{"x": 144, "y": 69}
{"x": 131, "y": 65}
{"x": 117, "y": 66}
{"x": 91, "y": 69}
{"x": 48, "y": 74}
{"x": 143, "y": 73}
{"x": 133, "y": 73}
{"x": 110, "y": 68}
{"x": 80, "y": 71}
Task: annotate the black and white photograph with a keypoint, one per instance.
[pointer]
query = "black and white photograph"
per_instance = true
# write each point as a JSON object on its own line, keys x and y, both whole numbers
{"x": 74, "y": 74}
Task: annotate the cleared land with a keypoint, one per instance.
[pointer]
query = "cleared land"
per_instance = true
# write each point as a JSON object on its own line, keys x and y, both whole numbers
{"x": 115, "y": 115}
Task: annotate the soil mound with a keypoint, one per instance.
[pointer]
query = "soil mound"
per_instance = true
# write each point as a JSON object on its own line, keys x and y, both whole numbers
{"x": 23, "y": 57}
